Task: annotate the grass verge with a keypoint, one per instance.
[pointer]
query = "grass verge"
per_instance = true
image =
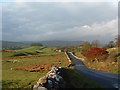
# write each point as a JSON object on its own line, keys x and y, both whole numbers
{"x": 101, "y": 66}
{"x": 77, "y": 80}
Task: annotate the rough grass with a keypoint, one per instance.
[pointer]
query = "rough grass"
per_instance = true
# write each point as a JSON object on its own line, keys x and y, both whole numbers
{"x": 35, "y": 68}
{"x": 23, "y": 79}
{"x": 78, "y": 54}
{"x": 106, "y": 66}
{"x": 76, "y": 80}
{"x": 103, "y": 66}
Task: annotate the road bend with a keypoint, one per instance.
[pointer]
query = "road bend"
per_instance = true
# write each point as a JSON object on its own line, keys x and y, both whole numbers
{"x": 108, "y": 80}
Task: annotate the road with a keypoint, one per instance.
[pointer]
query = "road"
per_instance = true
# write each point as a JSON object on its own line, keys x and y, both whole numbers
{"x": 108, "y": 80}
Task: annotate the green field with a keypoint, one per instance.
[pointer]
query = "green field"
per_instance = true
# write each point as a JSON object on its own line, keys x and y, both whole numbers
{"x": 34, "y": 50}
{"x": 19, "y": 78}
{"x": 24, "y": 79}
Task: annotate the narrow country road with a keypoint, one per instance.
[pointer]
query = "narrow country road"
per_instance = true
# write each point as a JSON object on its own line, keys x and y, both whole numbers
{"x": 108, "y": 80}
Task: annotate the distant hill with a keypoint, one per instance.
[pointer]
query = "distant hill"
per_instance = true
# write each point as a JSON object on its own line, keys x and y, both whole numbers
{"x": 57, "y": 43}
{"x": 19, "y": 45}
{"x": 12, "y": 45}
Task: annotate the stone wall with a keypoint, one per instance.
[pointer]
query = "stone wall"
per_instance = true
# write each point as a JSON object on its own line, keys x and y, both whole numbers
{"x": 71, "y": 63}
{"x": 52, "y": 80}
{"x": 82, "y": 59}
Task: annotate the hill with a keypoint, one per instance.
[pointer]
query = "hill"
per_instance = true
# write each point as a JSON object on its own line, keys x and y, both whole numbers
{"x": 12, "y": 45}
{"x": 19, "y": 45}
{"x": 56, "y": 43}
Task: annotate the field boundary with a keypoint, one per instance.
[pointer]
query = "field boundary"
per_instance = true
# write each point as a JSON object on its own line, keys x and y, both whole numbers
{"x": 68, "y": 58}
{"x": 82, "y": 59}
{"x": 71, "y": 63}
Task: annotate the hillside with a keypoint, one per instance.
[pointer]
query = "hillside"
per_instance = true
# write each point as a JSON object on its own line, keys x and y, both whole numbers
{"x": 56, "y": 43}
{"x": 12, "y": 45}
{"x": 19, "y": 45}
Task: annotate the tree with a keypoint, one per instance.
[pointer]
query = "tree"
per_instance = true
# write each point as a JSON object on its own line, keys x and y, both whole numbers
{"x": 95, "y": 43}
{"x": 85, "y": 46}
{"x": 111, "y": 44}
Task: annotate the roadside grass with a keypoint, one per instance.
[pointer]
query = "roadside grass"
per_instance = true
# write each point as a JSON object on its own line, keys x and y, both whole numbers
{"x": 104, "y": 65}
{"x": 23, "y": 79}
{"x": 77, "y": 80}
{"x": 78, "y": 54}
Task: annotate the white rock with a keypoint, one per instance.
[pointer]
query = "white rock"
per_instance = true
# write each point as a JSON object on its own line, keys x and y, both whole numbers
{"x": 36, "y": 86}
{"x": 42, "y": 80}
{"x": 42, "y": 88}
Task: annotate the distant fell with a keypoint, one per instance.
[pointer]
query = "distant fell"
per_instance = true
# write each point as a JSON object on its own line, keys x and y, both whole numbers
{"x": 12, "y": 45}
{"x": 56, "y": 43}
{"x": 19, "y": 45}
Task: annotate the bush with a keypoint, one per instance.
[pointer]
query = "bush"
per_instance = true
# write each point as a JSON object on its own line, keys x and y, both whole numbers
{"x": 95, "y": 53}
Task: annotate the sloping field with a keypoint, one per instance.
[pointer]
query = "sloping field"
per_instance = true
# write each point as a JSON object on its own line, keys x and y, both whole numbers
{"x": 34, "y": 50}
{"x": 31, "y": 48}
{"x": 13, "y": 78}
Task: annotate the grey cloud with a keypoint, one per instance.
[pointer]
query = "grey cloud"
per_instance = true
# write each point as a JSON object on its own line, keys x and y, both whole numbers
{"x": 50, "y": 21}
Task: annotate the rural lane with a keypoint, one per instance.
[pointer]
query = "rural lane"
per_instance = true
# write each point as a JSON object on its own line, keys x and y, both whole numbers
{"x": 108, "y": 80}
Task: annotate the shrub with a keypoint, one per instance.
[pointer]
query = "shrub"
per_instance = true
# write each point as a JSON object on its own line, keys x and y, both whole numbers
{"x": 95, "y": 53}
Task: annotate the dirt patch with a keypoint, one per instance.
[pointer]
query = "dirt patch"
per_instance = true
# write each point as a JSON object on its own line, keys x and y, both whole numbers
{"x": 35, "y": 68}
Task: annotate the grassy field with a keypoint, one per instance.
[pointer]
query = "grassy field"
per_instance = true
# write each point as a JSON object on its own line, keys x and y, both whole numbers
{"x": 24, "y": 79}
{"x": 33, "y": 50}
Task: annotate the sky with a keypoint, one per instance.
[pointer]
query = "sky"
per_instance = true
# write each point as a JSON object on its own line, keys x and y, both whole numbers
{"x": 59, "y": 21}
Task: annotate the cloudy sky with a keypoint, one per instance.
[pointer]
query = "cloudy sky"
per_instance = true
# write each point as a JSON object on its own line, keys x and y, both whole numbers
{"x": 75, "y": 21}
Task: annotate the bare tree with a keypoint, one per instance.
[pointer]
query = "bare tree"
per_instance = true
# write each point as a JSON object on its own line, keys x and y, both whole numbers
{"x": 85, "y": 46}
{"x": 96, "y": 43}
{"x": 118, "y": 41}
{"x": 111, "y": 44}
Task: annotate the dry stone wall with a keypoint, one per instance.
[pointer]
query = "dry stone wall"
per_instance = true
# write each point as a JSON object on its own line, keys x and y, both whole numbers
{"x": 52, "y": 80}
